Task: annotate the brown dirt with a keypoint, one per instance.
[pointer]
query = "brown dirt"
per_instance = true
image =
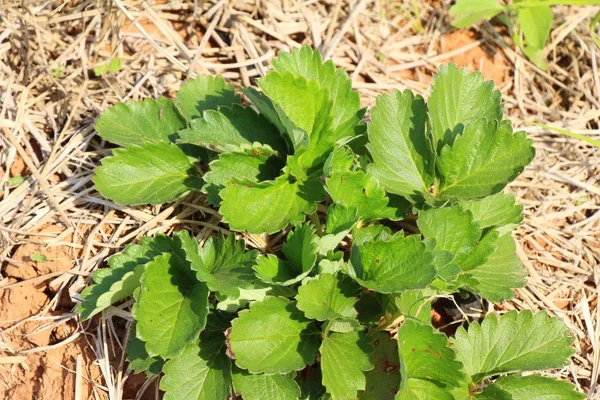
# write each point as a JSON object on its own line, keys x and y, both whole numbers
{"x": 50, "y": 373}
{"x": 492, "y": 64}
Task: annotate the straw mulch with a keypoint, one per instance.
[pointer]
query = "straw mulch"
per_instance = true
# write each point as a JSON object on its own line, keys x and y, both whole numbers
{"x": 50, "y": 97}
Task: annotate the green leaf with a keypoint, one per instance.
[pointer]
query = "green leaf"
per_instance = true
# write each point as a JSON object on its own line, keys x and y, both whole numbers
{"x": 204, "y": 93}
{"x": 483, "y": 160}
{"x": 289, "y": 344}
{"x": 300, "y": 249}
{"x": 454, "y": 231}
{"x": 140, "y": 122}
{"x": 383, "y": 380}
{"x": 417, "y": 389}
{"x": 171, "y": 306}
{"x": 402, "y": 156}
{"x": 253, "y": 164}
{"x": 265, "y": 107}
{"x": 269, "y": 207}
{"x": 328, "y": 297}
{"x": 495, "y": 211}
{"x": 533, "y": 387}
{"x": 246, "y": 296}
{"x": 503, "y": 272}
{"x": 222, "y": 263}
{"x": 305, "y": 110}
{"x": 413, "y": 303}
{"x": 113, "y": 65}
{"x": 355, "y": 188}
{"x": 514, "y": 342}
{"x": 230, "y": 128}
{"x": 198, "y": 373}
{"x": 469, "y": 12}
{"x": 344, "y": 358}
{"x": 153, "y": 173}
{"x": 308, "y": 63}
{"x": 117, "y": 282}
{"x": 459, "y": 98}
{"x": 266, "y": 387}
{"x": 139, "y": 359}
{"x": 535, "y": 23}
{"x": 389, "y": 266}
{"x": 425, "y": 355}
{"x": 340, "y": 219}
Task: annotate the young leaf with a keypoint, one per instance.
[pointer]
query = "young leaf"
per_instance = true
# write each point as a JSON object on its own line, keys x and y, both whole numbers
{"x": 204, "y": 93}
{"x": 425, "y": 355}
{"x": 402, "y": 157}
{"x": 289, "y": 344}
{"x": 535, "y": 23}
{"x": 503, "y": 272}
{"x": 269, "y": 207}
{"x": 340, "y": 219}
{"x": 344, "y": 358}
{"x": 266, "y": 387}
{"x": 253, "y": 164}
{"x": 328, "y": 297}
{"x": 453, "y": 230}
{"x": 394, "y": 265}
{"x": 198, "y": 373}
{"x": 495, "y": 211}
{"x": 305, "y": 110}
{"x": 418, "y": 389}
{"x": 532, "y": 387}
{"x": 171, "y": 307}
{"x": 308, "y": 63}
{"x": 458, "y": 99}
{"x": 384, "y": 379}
{"x": 230, "y": 128}
{"x": 140, "y": 122}
{"x": 355, "y": 188}
{"x": 300, "y": 249}
{"x": 117, "y": 282}
{"x": 469, "y": 12}
{"x": 265, "y": 107}
{"x": 222, "y": 263}
{"x": 514, "y": 342}
{"x": 153, "y": 173}
{"x": 482, "y": 160}
{"x": 139, "y": 359}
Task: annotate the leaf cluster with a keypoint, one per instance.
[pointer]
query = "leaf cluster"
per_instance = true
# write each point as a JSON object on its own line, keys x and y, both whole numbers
{"x": 377, "y": 219}
{"x": 529, "y": 21}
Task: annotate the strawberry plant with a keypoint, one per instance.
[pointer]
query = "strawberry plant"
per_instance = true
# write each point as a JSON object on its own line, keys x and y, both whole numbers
{"x": 528, "y": 20}
{"x": 375, "y": 221}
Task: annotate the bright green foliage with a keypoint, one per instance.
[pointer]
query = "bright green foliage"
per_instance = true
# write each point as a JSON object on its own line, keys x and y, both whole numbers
{"x": 138, "y": 357}
{"x": 228, "y": 129}
{"x": 482, "y": 160}
{"x": 328, "y": 297}
{"x": 514, "y": 342}
{"x": 402, "y": 155}
{"x": 392, "y": 266}
{"x": 151, "y": 173}
{"x": 530, "y": 21}
{"x": 266, "y": 387}
{"x": 300, "y": 249}
{"x": 140, "y": 122}
{"x": 171, "y": 306}
{"x": 289, "y": 344}
{"x": 204, "y": 93}
{"x": 471, "y": 12}
{"x": 344, "y": 358}
{"x": 271, "y": 205}
{"x": 532, "y": 387}
{"x": 204, "y": 372}
{"x": 425, "y": 355}
{"x": 404, "y": 210}
{"x": 222, "y": 263}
